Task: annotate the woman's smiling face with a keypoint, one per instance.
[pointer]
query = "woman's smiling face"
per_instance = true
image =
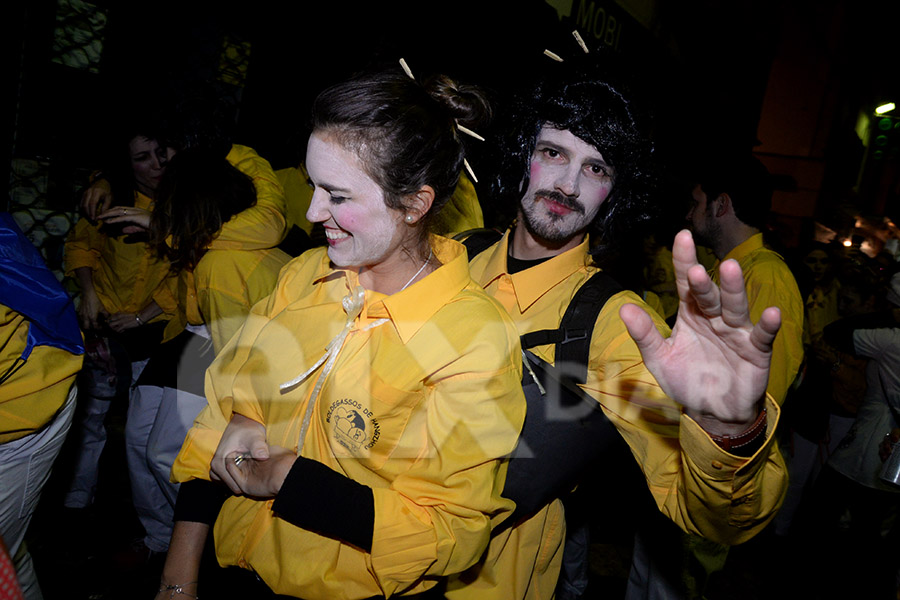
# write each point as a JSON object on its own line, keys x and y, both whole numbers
{"x": 362, "y": 231}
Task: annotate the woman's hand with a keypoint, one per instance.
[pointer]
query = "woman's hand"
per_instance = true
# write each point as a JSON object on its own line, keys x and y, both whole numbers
{"x": 138, "y": 217}
{"x": 120, "y": 322}
{"x": 242, "y": 436}
{"x": 90, "y": 309}
{"x": 716, "y": 362}
{"x": 96, "y": 199}
{"x": 261, "y": 478}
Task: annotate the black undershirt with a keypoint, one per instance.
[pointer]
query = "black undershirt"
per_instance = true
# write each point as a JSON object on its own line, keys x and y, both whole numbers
{"x": 514, "y": 265}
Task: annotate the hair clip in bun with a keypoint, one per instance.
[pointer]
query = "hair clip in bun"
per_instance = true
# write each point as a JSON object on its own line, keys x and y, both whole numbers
{"x": 470, "y": 171}
{"x": 553, "y": 55}
{"x": 406, "y": 69}
{"x": 580, "y": 41}
{"x": 469, "y": 132}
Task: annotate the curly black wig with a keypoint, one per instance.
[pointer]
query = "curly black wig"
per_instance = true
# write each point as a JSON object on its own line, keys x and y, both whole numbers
{"x": 589, "y": 97}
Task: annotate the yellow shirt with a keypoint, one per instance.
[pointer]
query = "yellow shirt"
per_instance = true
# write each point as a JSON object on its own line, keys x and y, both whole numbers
{"x": 229, "y": 283}
{"x": 702, "y": 488}
{"x": 127, "y": 275}
{"x": 422, "y": 401}
{"x": 33, "y": 395}
{"x": 769, "y": 282}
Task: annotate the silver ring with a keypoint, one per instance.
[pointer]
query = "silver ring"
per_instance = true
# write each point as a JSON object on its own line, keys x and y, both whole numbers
{"x": 239, "y": 459}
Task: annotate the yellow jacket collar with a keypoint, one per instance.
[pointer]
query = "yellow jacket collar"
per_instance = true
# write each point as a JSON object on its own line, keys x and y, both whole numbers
{"x": 752, "y": 243}
{"x": 409, "y": 309}
{"x": 142, "y": 201}
{"x": 531, "y": 284}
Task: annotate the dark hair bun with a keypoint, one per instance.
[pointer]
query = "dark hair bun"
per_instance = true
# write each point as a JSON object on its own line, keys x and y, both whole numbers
{"x": 466, "y": 103}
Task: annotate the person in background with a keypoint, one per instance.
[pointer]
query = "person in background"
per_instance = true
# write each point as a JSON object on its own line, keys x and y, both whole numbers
{"x": 126, "y": 308}
{"x": 41, "y": 352}
{"x": 732, "y": 199}
{"x": 200, "y": 122}
{"x": 824, "y": 406}
{"x": 849, "y": 495}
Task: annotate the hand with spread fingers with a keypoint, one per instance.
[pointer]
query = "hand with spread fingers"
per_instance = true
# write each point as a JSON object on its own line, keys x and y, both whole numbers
{"x": 716, "y": 362}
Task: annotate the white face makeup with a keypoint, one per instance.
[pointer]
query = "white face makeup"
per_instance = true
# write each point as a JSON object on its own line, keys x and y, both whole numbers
{"x": 569, "y": 181}
{"x": 361, "y": 230}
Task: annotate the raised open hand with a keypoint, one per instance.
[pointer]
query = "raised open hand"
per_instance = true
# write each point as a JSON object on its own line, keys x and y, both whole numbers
{"x": 716, "y": 362}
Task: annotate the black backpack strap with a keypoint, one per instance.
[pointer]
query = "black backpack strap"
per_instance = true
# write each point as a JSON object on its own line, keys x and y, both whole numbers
{"x": 478, "y": 240}
{"x": 573, "y": 337}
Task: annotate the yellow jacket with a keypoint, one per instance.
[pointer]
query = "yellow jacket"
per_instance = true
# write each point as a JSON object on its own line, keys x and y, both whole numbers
{"x": 462, "y": 211}
{"x": 127, "y": 275}
{"x": 702, "y": 488}
{"x": 297, "y": 194}
{"x": 262, "y": 225}
{"x": 421, "y": 403}
{"x": 769, "y": 282}
{"x": 34, "y": 393}
{"x": 229, "y": 283}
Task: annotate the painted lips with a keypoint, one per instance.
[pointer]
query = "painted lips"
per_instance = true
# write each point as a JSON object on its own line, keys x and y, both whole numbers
{"x": 559, "y": 205}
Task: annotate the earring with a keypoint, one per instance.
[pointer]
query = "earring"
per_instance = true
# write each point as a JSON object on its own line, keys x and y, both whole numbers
{"x": 409, "y": 219}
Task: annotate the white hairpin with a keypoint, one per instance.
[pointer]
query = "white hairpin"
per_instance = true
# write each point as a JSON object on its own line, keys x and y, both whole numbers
{"x": 553, "y": 55}
{"x": 468, "y": 131}
{"x": 580, "y": 41}
{"x": 469, "y": 169}
{"x": 406, "y": 69}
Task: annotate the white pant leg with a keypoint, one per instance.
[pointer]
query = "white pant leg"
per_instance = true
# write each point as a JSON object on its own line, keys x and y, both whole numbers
{"x": 91, "y": 431}
{"x": 152, "y": 507}
{"x": 24, "y": 469}
{"x": 176, "y": 415}
{"x": 91, "y": 438}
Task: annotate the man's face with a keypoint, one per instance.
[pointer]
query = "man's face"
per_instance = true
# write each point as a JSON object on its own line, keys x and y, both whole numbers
{"x": 701, "y": 218}
{"x": 569, "y": 182}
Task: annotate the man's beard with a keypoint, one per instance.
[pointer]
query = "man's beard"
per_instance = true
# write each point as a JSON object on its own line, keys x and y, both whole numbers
{"x": 710, "y": 236}
{"x": 549, "y": 226}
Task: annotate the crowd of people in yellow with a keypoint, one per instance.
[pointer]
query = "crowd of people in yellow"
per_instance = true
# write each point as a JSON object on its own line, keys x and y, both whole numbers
{"x": 329, "y": 387}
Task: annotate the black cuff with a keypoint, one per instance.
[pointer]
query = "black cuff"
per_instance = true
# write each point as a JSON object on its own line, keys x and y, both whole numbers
{"x": 199, "y": 501}
{"x": 318, "y": 499}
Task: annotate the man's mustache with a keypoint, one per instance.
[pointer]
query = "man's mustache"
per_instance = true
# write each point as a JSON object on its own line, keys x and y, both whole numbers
{"x": 569, "y": 202}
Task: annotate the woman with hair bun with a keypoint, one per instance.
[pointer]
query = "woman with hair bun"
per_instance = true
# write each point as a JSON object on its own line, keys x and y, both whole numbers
{"x": 362, "y": 414}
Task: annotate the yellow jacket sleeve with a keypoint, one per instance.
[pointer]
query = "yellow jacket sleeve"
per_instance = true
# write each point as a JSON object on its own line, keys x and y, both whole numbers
{"x": 81, "y": 249}
{"x": 263, "y": 225}
{"x": 702, "y": 488}
{"x": 34, "y": 392}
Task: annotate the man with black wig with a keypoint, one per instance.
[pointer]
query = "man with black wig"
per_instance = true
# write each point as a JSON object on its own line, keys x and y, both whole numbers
{"x": 578, "y": 165}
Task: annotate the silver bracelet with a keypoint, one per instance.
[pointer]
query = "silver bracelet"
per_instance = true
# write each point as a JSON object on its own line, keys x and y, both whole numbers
{"x": 178, "y": 588}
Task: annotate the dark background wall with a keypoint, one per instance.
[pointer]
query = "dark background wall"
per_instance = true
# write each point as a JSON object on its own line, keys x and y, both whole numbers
{"x": 760, "y": 73}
